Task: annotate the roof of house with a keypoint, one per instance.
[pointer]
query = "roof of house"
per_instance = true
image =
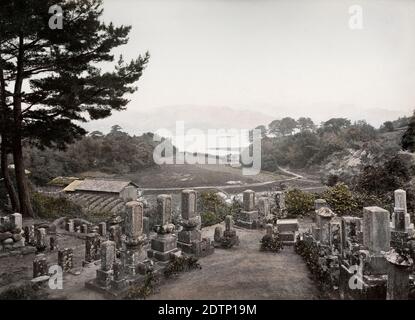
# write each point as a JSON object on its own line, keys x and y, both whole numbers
{"x": 99, "y": 185}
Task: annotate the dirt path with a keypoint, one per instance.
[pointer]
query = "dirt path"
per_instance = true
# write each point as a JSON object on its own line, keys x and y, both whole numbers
{"x": 244, "y": 273}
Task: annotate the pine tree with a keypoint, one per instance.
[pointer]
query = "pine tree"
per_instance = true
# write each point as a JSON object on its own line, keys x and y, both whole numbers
{"x": 54, "y": 75}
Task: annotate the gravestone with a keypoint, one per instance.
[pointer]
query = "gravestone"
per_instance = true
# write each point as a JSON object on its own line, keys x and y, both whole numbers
{"x": 190, "y": 238}
{"x": 249, "y": 216}
{"x": 264, "y": 209}
{"x": 70, "y": 226}
{"x": 40, "y": 266}
{"x": 65, "y": 259}
{"x": 132, "y": 254}
{"x": 402, "y": 228}
{"x": 102, "y": 229}
{"x": 164, "y": 245}
{"x": 288, "y": 230}
{"x": 41, "y": 241}
{"x": 16, "y": 220}
{"x": 105, "y": 273}
{"x": 324, "y": 215}
{"x": 92, "y": 248}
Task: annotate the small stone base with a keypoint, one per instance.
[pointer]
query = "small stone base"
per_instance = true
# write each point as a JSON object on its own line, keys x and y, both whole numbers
{"x": 246, "y": 224}
{"x": 288, "y": 238}
{"x": 198, "y": 249}
{"x": 163, "y": 256}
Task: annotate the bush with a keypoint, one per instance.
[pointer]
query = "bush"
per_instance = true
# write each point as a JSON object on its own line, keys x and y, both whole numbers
{"x": 48, "y": 207}
{"x": 27, "y": 291}
{"x": 271, "y": 243}
{"x": 181, "y": 264}
{"x": 213, "y": 208}
{"x": 299, "y": 202}
{"x": 144, "y": 290}
{"x": 341, "y": 200}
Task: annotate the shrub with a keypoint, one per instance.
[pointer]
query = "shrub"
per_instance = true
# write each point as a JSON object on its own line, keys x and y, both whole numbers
{"x": 27, "y": 291}
{"x": 213, "y": 208}
{"x": 299, "y": 202}
{"x": 181, "y": 264}
{"x": 144, "y": 290}
{"x": 341, "y": 200}
{"x": 271, "y": 243}
{"x": 48, "y": 207}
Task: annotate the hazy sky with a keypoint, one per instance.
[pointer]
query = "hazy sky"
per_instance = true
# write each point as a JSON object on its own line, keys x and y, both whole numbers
{"x": 278, "y": 57}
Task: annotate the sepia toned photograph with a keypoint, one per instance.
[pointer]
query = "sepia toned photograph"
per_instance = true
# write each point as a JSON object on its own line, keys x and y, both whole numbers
{"x": 219, "y": 151}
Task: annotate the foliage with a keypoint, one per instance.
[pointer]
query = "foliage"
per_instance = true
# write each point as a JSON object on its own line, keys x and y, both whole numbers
{"x": 341, "y": 200}
{"x": 392, "y": 174}
{"x": 27, "y": 291}
{"x": 212, "y": 207}
{"x": 271, "y": 243}
{"x": 48, "y": 207}
{"x": 317, "y": 261}
{"x": 408, "y": 138}
{"x": 144, "y": 290}
{"x": 299, "y": 202}
{"x": 114, "y": 153}
{"x": 181, "y": 264}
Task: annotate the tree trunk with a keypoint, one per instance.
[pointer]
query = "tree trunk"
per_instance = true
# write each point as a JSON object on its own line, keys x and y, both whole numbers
{"x": 4, "y": 165}
{"x": 21, "y": 181}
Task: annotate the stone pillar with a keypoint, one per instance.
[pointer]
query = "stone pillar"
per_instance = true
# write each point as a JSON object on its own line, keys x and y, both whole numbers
{"x": 70, "y": 226}
{"x": 189, "y": 204}
{"x": 102, "y": 229}
{"x": 249, "y": 200}
{"x": 351, "y": 229}
{"x": 164, "y": 208}
{"x": 324, "y": 216}
{"x": 107, "y": 255}
{"x": 16, "y": 220}
{"x": 92, "y": 248}
{"x": 133, "y": 255}
{"x": 105, "y": 273}
{"x": 376, "y": 229}
{"x": 263, "y": 208}
{"x": 165, "y": 243}
{"x": 218, "y": 234}
{"x": 65, "y": 259}
{"x": 133, "y": 224}
{"x": 40, "y": 266}
{"x": 29, "y": 234}
{"x": 41, "y": 242}
{"x": 249, "y": 216}
{"x": 84, "y": 228}
{"x": 115, "y": 234}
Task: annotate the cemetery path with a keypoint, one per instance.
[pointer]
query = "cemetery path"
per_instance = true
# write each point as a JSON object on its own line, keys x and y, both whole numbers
{"x": 245, "y": 273}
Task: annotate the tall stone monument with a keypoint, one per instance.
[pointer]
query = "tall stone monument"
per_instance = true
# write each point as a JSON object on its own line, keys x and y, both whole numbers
{"x": 190, "y": 238}
{"x": 248, "y": 216}
{"x": 164, "y": 245}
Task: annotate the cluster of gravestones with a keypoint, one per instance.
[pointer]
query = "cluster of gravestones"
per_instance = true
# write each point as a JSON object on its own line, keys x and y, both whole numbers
{"x": 369, "y": 257}
{"x": 16, "y": 239}
{"x": 130, "y": 251}
{"x": 256, "y": 216}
